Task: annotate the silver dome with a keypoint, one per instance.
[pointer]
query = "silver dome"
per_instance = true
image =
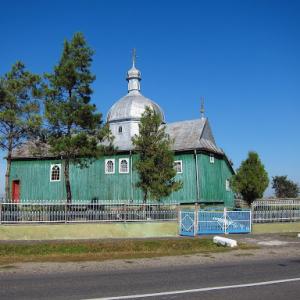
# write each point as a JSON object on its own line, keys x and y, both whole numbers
{"x": 131, "y": 107}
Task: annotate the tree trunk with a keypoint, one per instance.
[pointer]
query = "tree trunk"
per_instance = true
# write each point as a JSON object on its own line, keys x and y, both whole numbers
{"x": 7, "y": 175}
{"x": 145, "y": 197}
{"x": 67, "y": 180}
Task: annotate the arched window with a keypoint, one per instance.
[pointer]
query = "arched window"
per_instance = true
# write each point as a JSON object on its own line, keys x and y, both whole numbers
{"x": 120, "y": 129}
{"x": 55, "y": 172}
{"x": 109, "y": 166}
{"x": 123, "y": 165}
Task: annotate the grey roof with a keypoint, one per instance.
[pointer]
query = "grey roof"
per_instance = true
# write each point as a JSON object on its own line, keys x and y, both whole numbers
{"x": 187, "y": 135}
{"x": 192, "y": 134}
{"x": 32, "y": 150}
{"x": 131, "y": 107}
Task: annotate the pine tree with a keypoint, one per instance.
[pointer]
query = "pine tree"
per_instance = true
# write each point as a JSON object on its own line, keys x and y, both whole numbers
{"x": 251, "y": 179}
{"x": 74, "y": 128}
{"x": 19, "y": 112}
{"x": 156, "y": 159}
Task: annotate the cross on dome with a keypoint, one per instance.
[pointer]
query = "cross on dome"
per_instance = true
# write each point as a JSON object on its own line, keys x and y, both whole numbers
{"x": 134, "y": 76}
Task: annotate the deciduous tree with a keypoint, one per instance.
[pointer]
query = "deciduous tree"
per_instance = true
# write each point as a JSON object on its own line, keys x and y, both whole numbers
{"x": 251, "y": 179}
{"x": 285, "y": 188}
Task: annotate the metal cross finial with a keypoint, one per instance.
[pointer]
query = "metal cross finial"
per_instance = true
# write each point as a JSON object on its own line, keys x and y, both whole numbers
{"x": 202, "y": 107}
{"x": 133, "y": 57}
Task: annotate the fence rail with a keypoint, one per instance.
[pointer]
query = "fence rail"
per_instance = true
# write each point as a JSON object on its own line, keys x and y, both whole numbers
{"x": 263, "y": 211}
{"x": 84, "y": 212}
{"x": 277, "y": 210}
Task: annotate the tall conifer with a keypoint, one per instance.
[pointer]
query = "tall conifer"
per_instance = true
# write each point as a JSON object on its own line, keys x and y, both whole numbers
{"x": 74, "y": 127}
{"x": 156, "y": 159}
{"x": 19, "y": 112}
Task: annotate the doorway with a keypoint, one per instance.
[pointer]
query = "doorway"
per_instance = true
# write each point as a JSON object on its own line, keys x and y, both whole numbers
{"x": 16, "y": 191}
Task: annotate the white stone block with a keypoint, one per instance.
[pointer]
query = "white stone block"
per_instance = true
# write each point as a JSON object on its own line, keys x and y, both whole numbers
{"x": 225, "y": 241}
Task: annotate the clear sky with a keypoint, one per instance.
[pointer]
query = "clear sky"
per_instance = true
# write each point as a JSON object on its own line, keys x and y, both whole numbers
{"x": 242, "y": 56}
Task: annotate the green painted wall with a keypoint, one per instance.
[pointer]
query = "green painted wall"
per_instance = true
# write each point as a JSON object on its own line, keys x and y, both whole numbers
{"x": 212, "y": 180}
{"x": 188, "y": 193}
{"x": 86, "y": 183}
{"x": 34, "y": 176}
{"x": 92, "y": 182}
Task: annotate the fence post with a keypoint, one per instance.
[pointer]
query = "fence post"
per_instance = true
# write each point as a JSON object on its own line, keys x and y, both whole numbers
{"x": 180, "y": 222}
{"x": 196, "y": 219}
{"x": 178, "y": 212}
{"x": 252, "y": 212}
{"x": 225, "y": 220}
{"x": 0, "y": 212}
{"x": 251, "y": 216}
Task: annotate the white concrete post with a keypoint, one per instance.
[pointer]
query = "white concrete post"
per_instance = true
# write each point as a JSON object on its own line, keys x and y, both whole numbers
{"x": 196, "y": 219}
{"x": 225, "y": 220}
{"x": 250, "y": 220}
{"x": 180, "y": 222}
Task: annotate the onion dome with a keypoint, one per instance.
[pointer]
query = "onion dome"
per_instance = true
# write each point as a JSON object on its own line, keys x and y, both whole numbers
{"x": 132, "y": 106}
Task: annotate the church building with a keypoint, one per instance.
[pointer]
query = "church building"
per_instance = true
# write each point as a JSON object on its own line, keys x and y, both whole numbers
{"x": 200, "y": 164}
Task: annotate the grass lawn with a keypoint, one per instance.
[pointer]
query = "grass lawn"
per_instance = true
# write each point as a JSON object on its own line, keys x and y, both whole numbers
{"x": 104, "y": 250}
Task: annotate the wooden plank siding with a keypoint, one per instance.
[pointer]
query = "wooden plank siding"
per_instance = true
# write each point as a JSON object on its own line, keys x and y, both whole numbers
{"x": 212, "y": 180}
{"x": 92, "y": 183}
{"x": 188, "y": 193}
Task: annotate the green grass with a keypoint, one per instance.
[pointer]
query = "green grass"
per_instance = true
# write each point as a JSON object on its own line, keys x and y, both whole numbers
{"x": 104, "y": 250}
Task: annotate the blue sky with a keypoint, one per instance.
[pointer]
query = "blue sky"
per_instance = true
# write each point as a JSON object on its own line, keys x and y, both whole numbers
{"x": 242, "y": 56}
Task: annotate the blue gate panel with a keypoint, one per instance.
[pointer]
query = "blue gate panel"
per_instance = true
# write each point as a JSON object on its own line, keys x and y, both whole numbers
{"x": 238, "y": 221}
{"x": 210, "y": 222}
{"x": 214, "y": 222}
{"x": 187, "y": 223}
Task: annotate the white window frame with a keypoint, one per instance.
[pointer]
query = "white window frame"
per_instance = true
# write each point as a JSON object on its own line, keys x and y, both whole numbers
{"x": 227, "y": 185}
{"x": 114, "y": 165}
{"x": 51, "y": 167}
{"x": 127, "y": 160}
{"x": 211, "y": 158}
{"x": 181, "y": 164}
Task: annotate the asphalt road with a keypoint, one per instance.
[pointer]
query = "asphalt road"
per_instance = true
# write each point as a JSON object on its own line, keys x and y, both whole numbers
{"x": 95, "y": 285}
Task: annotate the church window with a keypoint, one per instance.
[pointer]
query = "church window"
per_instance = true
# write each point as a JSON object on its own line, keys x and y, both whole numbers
{"x": 120, "y": 129}
{"x": 55, "y": 172}
{"x": 227, "y": 185}
{"x": 211, "y": 159}
{"x": 178, "y": 166}
{"x": 109, "y": 166}
{"x": 123, "y": 165}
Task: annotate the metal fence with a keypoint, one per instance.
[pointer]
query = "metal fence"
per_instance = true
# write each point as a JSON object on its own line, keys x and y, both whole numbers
{"x": 85, "y": 212}
{"x": 276, "y": 210}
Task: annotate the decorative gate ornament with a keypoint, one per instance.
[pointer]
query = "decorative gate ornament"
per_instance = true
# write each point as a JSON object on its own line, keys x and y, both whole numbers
{"x": 214, "y": 222}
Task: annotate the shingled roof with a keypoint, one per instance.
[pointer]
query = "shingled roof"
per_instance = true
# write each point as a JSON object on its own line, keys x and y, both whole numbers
{"x": 187, "y": 135}
{"x": 192, "y": 134}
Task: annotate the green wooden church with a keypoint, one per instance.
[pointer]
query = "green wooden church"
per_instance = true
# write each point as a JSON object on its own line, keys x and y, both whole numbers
{"x": 201, "y": 165}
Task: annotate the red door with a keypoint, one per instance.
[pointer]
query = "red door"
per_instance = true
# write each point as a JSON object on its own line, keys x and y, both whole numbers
{"x": 16, "y": 191}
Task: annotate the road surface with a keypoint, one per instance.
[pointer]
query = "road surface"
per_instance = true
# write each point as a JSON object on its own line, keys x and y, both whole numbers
{"x": 274, "y": 278}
